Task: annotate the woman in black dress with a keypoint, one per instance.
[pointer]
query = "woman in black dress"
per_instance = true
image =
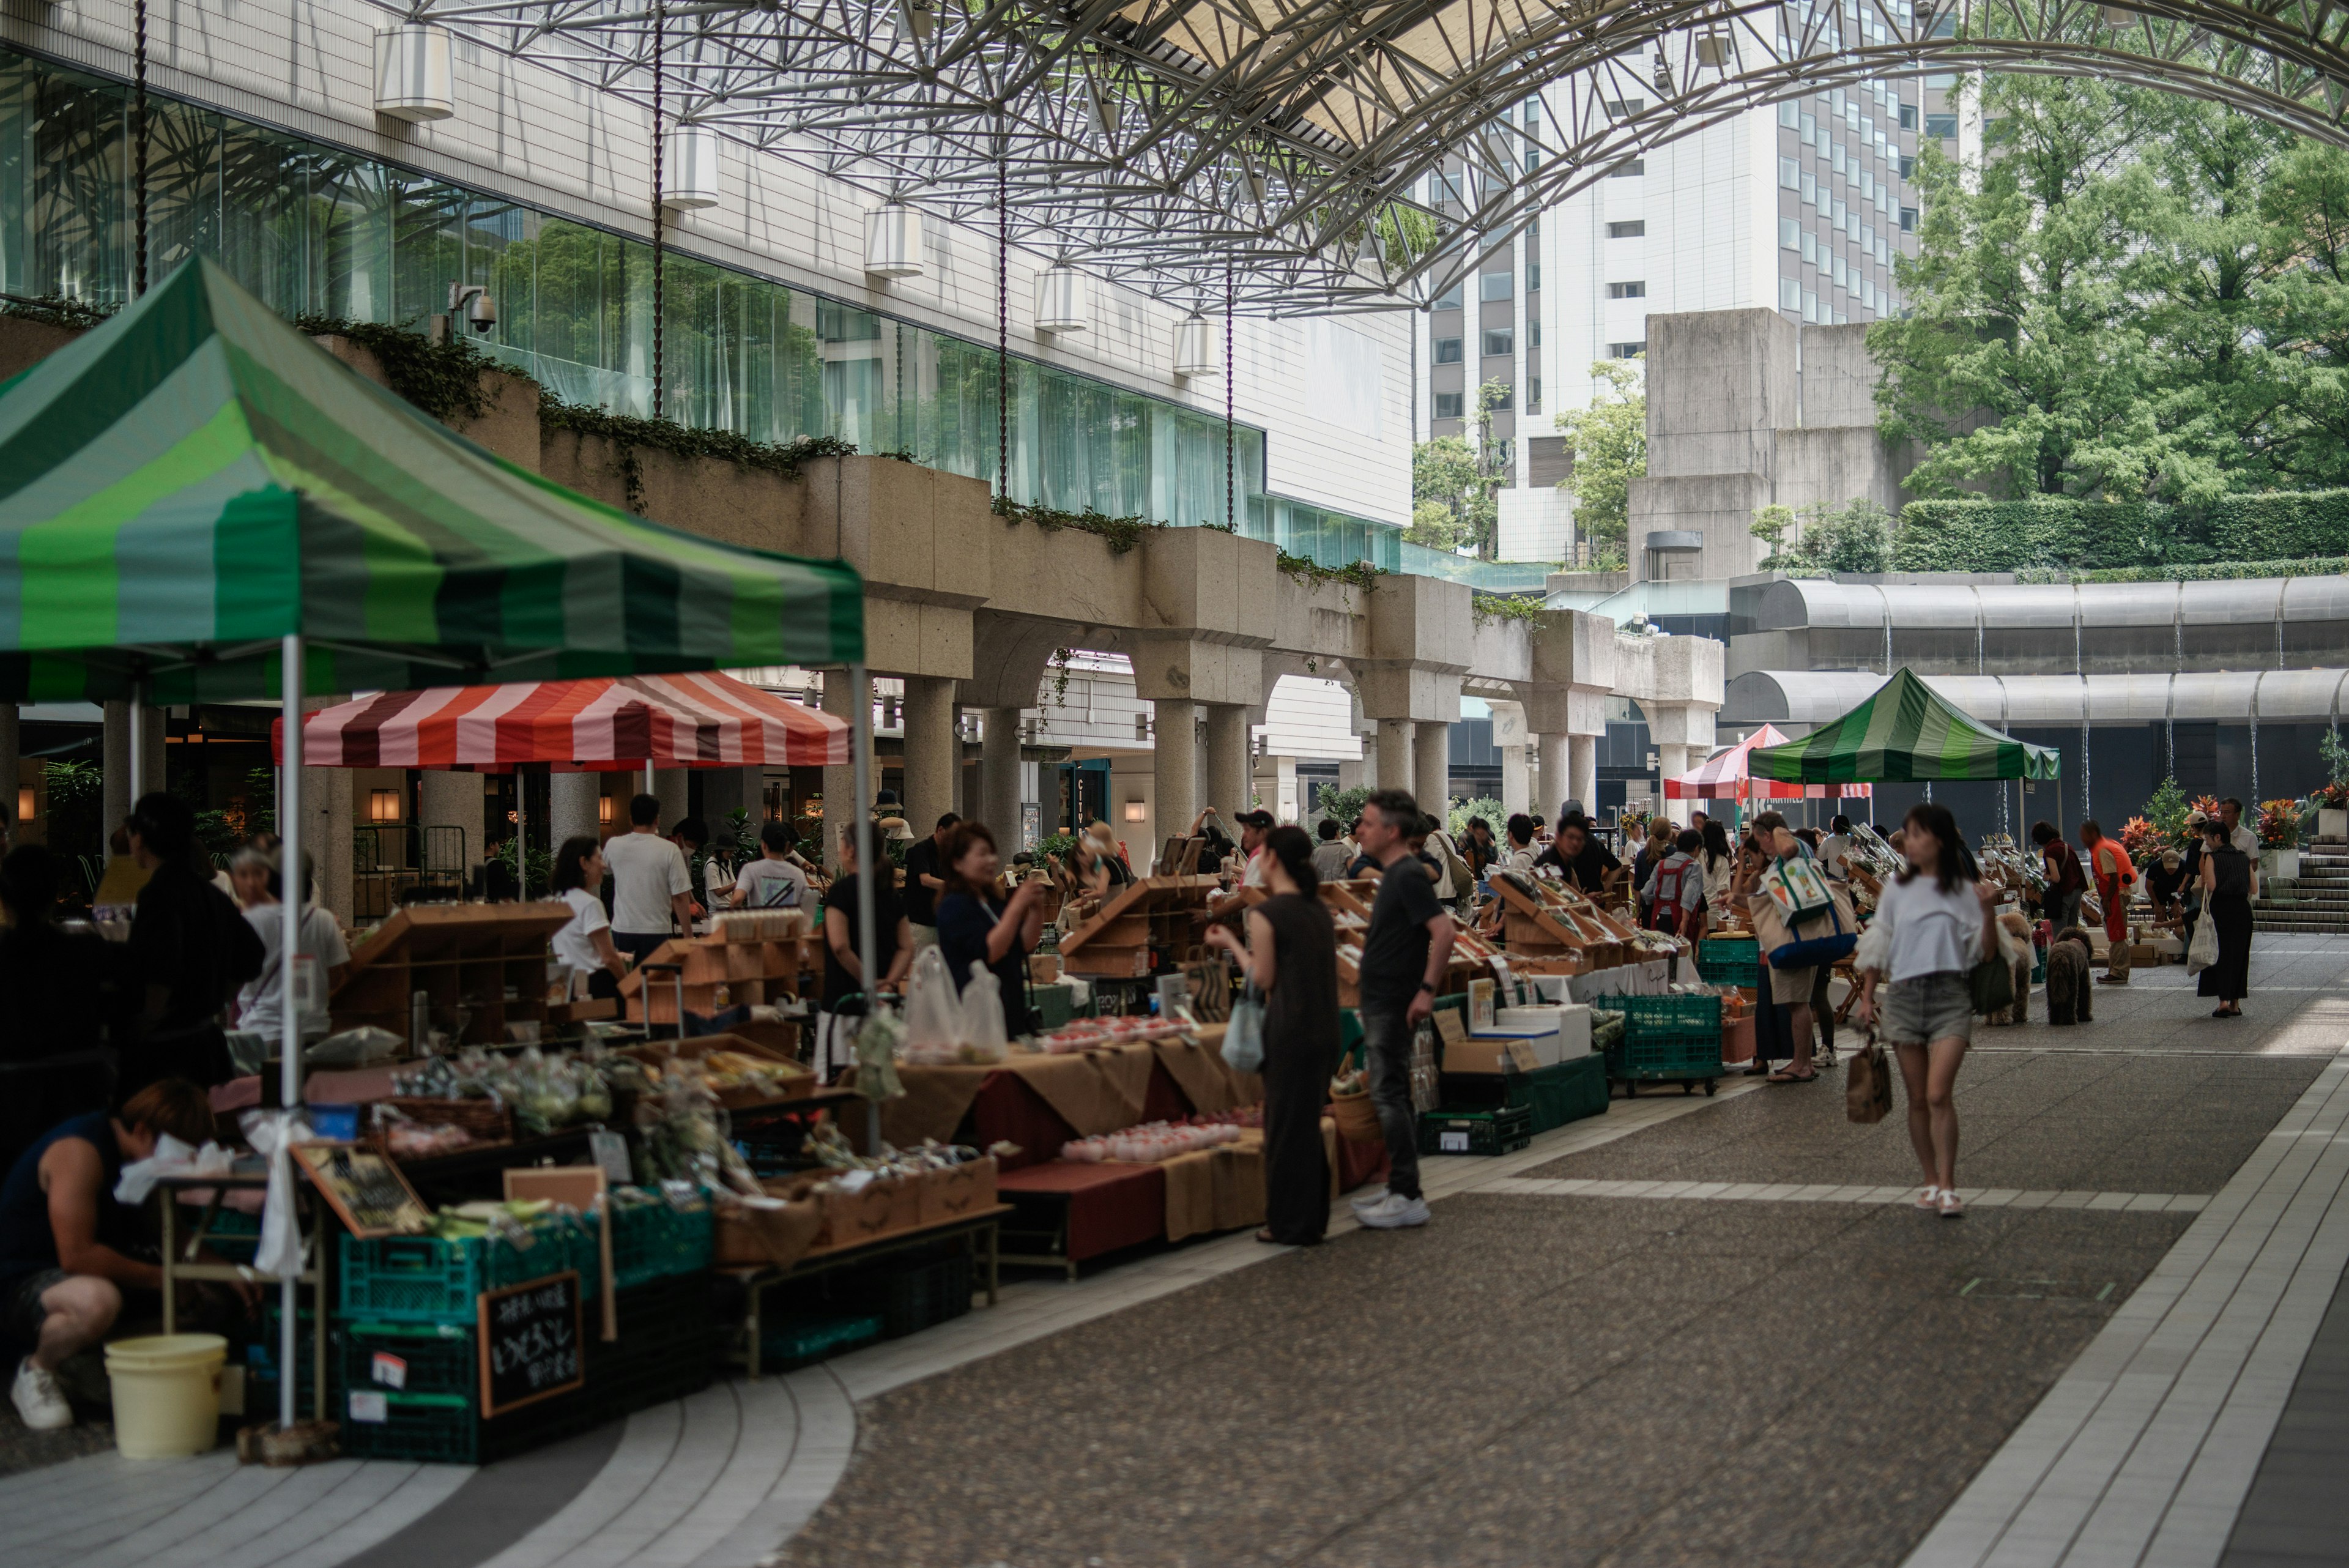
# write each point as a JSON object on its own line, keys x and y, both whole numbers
{"x": 2229, "y": 883}
{"x": 1292, "y": 954}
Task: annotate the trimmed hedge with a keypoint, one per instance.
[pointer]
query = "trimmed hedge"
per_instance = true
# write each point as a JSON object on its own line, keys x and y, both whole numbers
{"x": 2047, "y": 534}
{"x": 2215, "y": 572}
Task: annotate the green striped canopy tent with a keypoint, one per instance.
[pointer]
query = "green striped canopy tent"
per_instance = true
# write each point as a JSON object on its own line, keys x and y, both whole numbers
{"x": 1906, "y": 732}
{"x": 197, "y": 503}
{"x": 195, "y": 480}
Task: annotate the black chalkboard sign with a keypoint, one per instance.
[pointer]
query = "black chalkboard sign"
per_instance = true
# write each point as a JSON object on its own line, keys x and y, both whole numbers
{"x": 530, "y": 1345}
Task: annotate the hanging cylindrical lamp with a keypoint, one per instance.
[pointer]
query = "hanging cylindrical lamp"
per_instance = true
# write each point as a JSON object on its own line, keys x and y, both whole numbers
{"x": 689, "y": 178}
{"x": 892, "y": 241}
{"x": 1195, "y": 348}
{"x": 1061, "y": 299}
{"x": 414, "y": 77}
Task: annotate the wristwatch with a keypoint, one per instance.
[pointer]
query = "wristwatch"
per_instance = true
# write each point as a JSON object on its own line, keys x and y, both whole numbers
{"x": 1427, "y": 987}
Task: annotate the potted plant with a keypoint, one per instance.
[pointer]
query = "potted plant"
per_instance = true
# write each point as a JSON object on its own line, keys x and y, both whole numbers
{"x": 2333, "y": 800}
{"x": 2279, "y": 830}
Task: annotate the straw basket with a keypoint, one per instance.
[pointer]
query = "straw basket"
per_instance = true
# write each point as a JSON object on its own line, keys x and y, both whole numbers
{"x": 1356, "y": 1118}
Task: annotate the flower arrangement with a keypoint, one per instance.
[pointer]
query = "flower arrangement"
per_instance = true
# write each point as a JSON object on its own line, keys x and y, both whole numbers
{"x": 2142, "y": 839}
{"x": 2207, "y": 804}
{"x": 2279, "y": 824}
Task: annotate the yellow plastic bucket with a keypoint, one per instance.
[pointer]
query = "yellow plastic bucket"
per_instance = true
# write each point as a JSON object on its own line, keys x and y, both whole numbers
{"x": 166, "y": 1394}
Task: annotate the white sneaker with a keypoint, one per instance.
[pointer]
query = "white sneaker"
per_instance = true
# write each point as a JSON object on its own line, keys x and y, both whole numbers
{"x": 38, "y": 1400}
{"x": 1369, "y": 1197}
{"x": 1395, "y": 1211}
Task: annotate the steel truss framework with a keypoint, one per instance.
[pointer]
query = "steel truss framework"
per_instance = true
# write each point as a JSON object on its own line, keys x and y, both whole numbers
{"x": 1159, "y": 142}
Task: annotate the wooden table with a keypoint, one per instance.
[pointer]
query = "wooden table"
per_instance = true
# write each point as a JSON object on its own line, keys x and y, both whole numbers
{"x": 756, "y": 1283}
{"x": 181, "y": 1264}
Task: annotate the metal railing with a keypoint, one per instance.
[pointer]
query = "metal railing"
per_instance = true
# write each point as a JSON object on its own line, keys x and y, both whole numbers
{"x": 400, "y": 863}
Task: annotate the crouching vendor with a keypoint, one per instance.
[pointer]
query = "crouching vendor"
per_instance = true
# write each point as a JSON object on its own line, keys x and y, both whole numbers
{"x": 65, "y": 1257}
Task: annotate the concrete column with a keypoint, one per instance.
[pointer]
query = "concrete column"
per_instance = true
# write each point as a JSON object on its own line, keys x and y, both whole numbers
{"x": 1516, "y": 788}
{"x": 114, "y": 762}
{"x": 1394, "y": 764}
{"x": 1229, "y": 786}
{"x": 1431, "y": 757}
{"x": 571, "y": 806}
{"x": 998, "y": 777}
{"x": 451, "y": 799}
{"x": 1671, "y": 761}
{"x": 10, "y": 765}
{"x": 725, "y": 791}
{"x": 840, "y": 803}
{"x": 328, "y": 821}
{"x": 933, "y": 758}
{"x": 675, "y": 787}
{"x": 1581, "y": 772}
{"x": 1173, "y": 769}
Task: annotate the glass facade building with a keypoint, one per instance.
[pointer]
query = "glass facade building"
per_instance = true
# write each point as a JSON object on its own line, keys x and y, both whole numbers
{"x": 314, "y": 229}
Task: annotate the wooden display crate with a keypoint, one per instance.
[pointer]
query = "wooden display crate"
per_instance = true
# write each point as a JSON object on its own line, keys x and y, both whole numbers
{"x": 751, "y": 973}
{"x": 1155, "y": 912}
{"x": 488, "y": 960}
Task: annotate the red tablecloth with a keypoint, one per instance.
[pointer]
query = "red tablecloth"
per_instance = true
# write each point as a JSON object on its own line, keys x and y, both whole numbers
{"x": 1110, "y": 1206}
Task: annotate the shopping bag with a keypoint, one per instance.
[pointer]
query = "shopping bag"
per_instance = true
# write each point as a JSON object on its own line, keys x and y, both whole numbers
{"x": 1991, "y": 981}
{"x": 934, "y": 1006}
{"x": 1244, "y": 1034}
{"x": 1867, "y": 1084}
{"x": 1834, "y": 945}
{"x": 1797, "y": 889}
{"x": 2203, "y": 951}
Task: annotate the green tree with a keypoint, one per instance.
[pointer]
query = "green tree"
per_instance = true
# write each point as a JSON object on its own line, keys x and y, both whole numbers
{"x": 2166, "y": 808}
{"x": 1443, "y": 493}
{"x": 1609, "y": 444}
{"x": 1770, "y": 526}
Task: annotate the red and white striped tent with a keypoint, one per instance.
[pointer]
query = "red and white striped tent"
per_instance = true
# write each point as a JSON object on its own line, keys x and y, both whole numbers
{"x": 670, "y": 720}
{"x": 1727, "y": 777}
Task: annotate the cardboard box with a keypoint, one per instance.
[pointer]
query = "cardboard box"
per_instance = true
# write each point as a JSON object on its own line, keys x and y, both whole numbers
{"x": 1491, "y": 1053}
{"x": 957, "y": 1190}
{"x": 1560, "y": 1031}
{"x": 877, "y": 1208}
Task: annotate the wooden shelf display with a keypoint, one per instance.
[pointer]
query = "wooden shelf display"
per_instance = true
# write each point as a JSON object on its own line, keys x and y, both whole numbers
{"x": 1155, "y": 911}
{"x": 749, "y": 972}
{"x": 1554, "y": 925}
{"x": 488, "y": 960}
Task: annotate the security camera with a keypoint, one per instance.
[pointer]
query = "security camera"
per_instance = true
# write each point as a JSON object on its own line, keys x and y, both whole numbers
{"x": 480, "y": 310}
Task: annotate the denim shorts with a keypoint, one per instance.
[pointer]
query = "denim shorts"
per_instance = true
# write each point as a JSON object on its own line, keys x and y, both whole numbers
{"x": 21, "y": 1311}
{"x": 1929, "y": 1008}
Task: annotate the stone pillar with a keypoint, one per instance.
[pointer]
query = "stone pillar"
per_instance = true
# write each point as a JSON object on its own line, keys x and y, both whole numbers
{"x": 1582, "y": 772}
{"x": 1229, "y": 785}
{"x": 10, "y": 766}
{"x": 839, "y": 780}
{"x": 452, "y": 799}
{"x": 998, "y": 777}
{"x": 1550, "y": 785}
{"x": 329, "y": 820}
{"x": 1173, "y": 768}
{"x": 725, "y": 791}
{"x": 114, "y": 763}
{"x": 675, "y": 787}
{"x": 1432, "y": 769}
{"x": 570, "y": 806}
{"x": 1395, "y": 764}
{"x": 1671, "y": 761}
{"x": 1516, "y": 787}
{"x": 933, "y": 756}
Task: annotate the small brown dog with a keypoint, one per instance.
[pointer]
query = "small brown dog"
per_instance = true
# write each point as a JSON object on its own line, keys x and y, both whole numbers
{"x": 2014, "y": 947}
{"x": 2069, "y": 989}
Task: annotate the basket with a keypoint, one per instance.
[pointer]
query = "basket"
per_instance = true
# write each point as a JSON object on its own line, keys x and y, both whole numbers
{"x": 489, "y": 1121}
{"x": 1729, "y": 961}
{"x": 1665, "y": 1036}
{"x": 421, "y": 1279}
{"x": 652, "y": 1241}
{"x": 1497, "y": 1131}
{"x": 1356, "y": 1118}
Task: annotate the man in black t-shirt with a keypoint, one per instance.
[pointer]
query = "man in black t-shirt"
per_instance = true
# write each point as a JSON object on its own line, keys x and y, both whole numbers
{"x": 924, "y": 880}
{"x": 1404, "y": 954}
{"x": 1581, "y": 858}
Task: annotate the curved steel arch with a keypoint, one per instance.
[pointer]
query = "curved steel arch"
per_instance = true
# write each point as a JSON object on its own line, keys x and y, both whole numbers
{"x": 1160, "y": 141}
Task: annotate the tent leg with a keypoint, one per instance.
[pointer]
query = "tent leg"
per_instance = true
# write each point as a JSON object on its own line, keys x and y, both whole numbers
{"x": 295, "y": 888}
{"x": 136, "y": 721}
{"x": 521, "y": 849}
{"x": 868, "y": 861}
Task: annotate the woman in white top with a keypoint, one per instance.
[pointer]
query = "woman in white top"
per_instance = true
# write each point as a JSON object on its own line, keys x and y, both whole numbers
{"x": 1720, "y": 863}
{"x": 584, "y": 946}
{"x": 1933, "y": 923}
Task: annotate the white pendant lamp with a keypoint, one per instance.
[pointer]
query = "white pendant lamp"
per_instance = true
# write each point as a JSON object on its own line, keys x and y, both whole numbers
{"x": 1195, "y": 348}
{"x": 689, "y": 168}
{"x": 414, "y": 78}
{"x": 1061, "y": 299}
{"x": 892, "y": 241}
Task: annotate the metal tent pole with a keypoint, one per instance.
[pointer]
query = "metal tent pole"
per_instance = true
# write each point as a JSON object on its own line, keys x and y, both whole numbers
{"x": 868, "y": 861}
{"x": 135, "y": 722}
{"x": 521, "y": 841}
{"x": 294, "y": 886}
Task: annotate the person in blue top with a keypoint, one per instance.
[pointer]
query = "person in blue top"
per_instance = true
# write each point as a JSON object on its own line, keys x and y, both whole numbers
{"x": 978, "y": 925}
{"x": 63, "y": 1238}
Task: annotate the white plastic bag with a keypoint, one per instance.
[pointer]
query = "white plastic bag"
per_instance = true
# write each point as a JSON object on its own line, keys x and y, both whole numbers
{"x": 982, "y": 1011}
{"x": 273, "y": 1134}
{"x": 933, "y": 1011}
{"x": 2203, "y": 951}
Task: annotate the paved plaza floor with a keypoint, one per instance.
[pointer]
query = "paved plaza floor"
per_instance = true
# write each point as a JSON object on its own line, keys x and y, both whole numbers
{"x": 1692, "y": 1332}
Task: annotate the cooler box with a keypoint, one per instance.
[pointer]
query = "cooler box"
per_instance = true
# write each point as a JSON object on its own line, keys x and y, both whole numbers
{"x": 1540, "y": 1033}
{"x": 1571, "y": 1020}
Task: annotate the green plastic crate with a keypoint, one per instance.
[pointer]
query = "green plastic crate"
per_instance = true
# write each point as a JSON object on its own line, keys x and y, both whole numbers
{"x": 1666, "y": 1037}
{"x": 798, "y": 1342}
{"x": 432, "y": 1358}
{"x": 1727, "y": 960}
{"x": 1500, "y": 1130}
{"x": 652, "y": 1241}
{"x": 448, "y": 1428}
{"x": 421, "y": 1279}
